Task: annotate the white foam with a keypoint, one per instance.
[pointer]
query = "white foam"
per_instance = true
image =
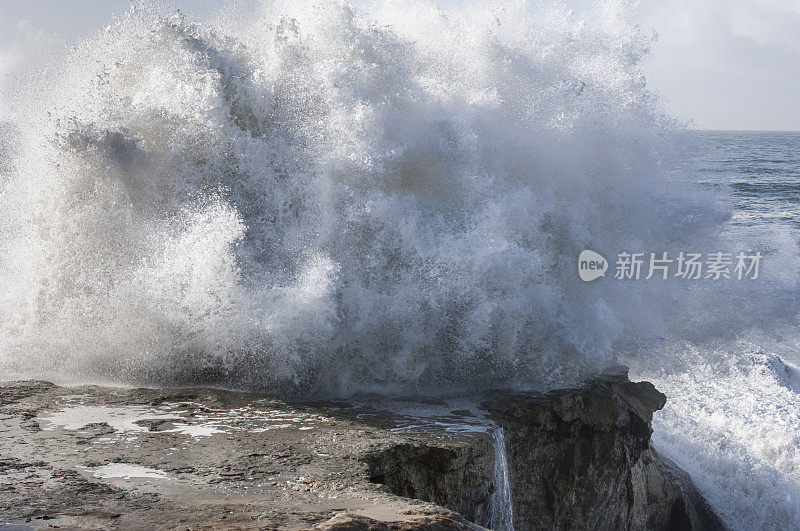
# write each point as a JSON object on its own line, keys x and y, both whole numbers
{"x": 335, "y": 198}
{"x": 737, "y": 432}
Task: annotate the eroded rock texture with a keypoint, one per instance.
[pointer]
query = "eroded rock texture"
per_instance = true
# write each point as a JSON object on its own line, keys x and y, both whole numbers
{"x": 581, "y": 459}
{"x": 96, "y": 457}
{"x": 458, "y": 477}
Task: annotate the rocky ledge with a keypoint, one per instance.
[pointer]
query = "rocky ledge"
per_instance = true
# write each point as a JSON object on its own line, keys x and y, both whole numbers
{"x": 204, "y": 458}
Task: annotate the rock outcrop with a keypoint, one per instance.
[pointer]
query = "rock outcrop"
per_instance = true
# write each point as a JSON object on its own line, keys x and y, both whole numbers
{"x": 454, "y": 476}
{"x": 581, "y": 458}
{"x": 206, "y": 458}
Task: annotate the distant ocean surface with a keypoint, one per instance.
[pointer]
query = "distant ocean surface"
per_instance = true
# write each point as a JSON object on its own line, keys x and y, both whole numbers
{"x": 759, "y": 169}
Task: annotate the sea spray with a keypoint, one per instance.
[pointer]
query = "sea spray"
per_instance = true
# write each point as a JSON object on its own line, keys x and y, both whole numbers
{"x": 328, "y": 199}
{"x": 501, "y": 507}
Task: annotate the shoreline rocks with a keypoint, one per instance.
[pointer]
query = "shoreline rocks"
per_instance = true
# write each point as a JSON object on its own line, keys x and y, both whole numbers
{"x": 206, "y": 458}
{"x": 574, "y": 445}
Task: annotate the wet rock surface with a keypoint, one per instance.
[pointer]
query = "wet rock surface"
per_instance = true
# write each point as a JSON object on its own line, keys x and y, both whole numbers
{"x": 205, "y": 458}
{"x": 97, "y": 457}
{"x": 571, "y": 446}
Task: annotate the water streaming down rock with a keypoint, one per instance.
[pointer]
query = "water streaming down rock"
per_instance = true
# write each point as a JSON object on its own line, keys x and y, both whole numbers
{"x": 502, "y": 509}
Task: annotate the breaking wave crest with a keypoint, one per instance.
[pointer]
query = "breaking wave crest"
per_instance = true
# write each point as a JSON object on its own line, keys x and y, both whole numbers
{"x": 330, "y": 199}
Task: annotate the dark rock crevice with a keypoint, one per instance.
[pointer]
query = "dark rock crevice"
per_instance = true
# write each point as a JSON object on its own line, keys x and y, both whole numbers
{"x": 457, "y": 477}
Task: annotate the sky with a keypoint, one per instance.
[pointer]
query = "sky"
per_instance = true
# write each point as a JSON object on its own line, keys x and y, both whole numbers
{"x": 727, "y": 64}
{"x": 716, "y": 64}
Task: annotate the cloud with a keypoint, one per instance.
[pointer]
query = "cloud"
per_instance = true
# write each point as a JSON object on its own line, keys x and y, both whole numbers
{"x": 767, "y": 22}
{"x": 727, "y": 64}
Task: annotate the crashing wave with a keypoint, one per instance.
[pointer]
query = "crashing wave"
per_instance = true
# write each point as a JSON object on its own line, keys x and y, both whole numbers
{"x": 329, "y": 199}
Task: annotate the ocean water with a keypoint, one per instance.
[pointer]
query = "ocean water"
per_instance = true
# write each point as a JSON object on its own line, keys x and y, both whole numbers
{"x": 758, "y": 170}
{"x": 323, "y": 199}
{"x": 733, "y": 413}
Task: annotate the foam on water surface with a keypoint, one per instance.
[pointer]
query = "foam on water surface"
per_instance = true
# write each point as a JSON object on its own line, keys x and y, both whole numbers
{"x": 738, "y": 433}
